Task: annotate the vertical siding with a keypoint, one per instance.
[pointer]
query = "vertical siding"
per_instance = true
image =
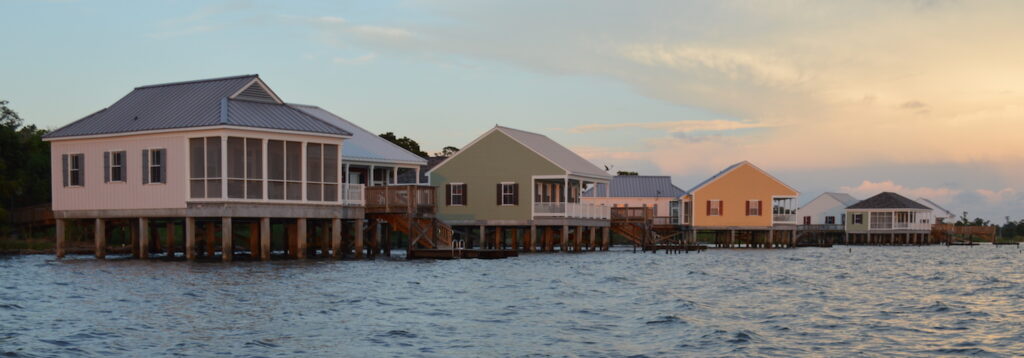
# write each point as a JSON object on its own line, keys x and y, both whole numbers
{"x": 734, "y": 189}
{"x": 97, "y": 195}
{"x": 493, "y": 159}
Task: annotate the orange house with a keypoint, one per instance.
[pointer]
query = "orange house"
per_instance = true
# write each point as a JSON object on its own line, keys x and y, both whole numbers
{"x": 742, "y": 198}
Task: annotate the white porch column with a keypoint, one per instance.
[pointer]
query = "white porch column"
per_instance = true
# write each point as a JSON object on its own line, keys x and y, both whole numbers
{"x": 394, "y": 174}
{"x": 417, "y": 182}
{"x": 372, "y": 169}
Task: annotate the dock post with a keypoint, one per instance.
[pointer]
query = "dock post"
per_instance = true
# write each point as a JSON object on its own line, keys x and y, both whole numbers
{"x": 264, "y": 239}
{"x": 732, "y": 238}
{"x": 170, "y": 238}
{"x": 578, "y": 240}
{"x": 593, "y": 238}
{"x": 336, "y": 238}
{"x": 61, "y": 223}
{"x": 771, "y": 237}
{"x": 498, "y": 239}
{"x": 792, "y": 238}
{"x": 359, "y": 238}
{"x": 254, "y": 240}
{"x": 190, "y": 238}
{"x": 133, "y": 230}
{"x": 302, "y": 236}
{"x": 143, "y": 238}
{"x": 483, "y": 237}
{"x": 606, "y": 238}
{"x": 227, "y": 245}
{"x": 101, "y": 239}
{"x": 565, "y": 238}
{"x": 531, "y": 240}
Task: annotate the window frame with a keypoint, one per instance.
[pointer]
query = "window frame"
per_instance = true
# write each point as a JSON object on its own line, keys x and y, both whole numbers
{"x": 461, "y": 187}
{"x": 858, "y": 219}
{"x": 154, "y": 153}
{"x": 73, "y": 170}
{"x": 119, "y": 168}
{"x": 753, "y": 207}
{"x": 830, "y": 220}
{"x": 508, "y": 193}
{"x": 716, "y": 207}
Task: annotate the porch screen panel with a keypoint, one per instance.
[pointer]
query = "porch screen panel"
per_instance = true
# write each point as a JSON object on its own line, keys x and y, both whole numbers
{"x": 275, "y": 170}
{"x": 330, "y": 172}
{"x": 213, "y": 167}
{"x": 293, "y": 170}
{"x": 254, "y": 168}
{"x": 204, "y": 167}
{"x": 314, "y": 171}
{"x": 236, "y": 168}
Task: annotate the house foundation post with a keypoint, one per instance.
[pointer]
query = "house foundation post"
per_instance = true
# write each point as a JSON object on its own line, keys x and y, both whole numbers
{"x": 359, "y": 238}
{"x": 190, "y": 238}
{"x": 336, "y": 238}
{"x": 227, "y": 248}
{"x": 264, "y": 239}
{"x": 144, "y": 238}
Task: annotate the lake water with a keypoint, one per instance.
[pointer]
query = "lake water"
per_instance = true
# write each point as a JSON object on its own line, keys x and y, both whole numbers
{"x": 868, "y": 301}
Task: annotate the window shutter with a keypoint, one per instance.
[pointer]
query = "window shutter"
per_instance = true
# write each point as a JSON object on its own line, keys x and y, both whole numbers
{"x": 163, "y": 165}
{"x": 64, "y": 168}
{"x": 709, "y": 208}
{"x": 759, "y": 212}
{"x": 465, "y": 194}
{"x": 448, "y": 194}
{"x": 106, "y": 167}
{"x": 81, "y": 170}
{"x": 748, "y": 209}
{"x": 145, "y": 166}
{"x": 721, "y": 208}
{"x": 124, "y": 165}
{"x": 515, "y": 194}
{"x": 499, "y": 194}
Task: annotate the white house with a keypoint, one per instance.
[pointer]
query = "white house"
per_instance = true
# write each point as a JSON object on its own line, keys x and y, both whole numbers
{"x": 826, "y": 209}
{"x": 941, "y": 214}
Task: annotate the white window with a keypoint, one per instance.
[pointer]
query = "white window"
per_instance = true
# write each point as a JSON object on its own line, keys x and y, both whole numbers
{"x": 714, "y": 208}
{"x": 753, "y": 208}
{"x": 858, "y": 219}
{"x": 457, "y": 194}
{"x": 154, "y": 166}
{"x": 509, "y": 194}
{"x": 204, "y": 167}
{"x": 75, "y": 172}
{"x": 117, "y": 170}
{"x": 830, "y": 220}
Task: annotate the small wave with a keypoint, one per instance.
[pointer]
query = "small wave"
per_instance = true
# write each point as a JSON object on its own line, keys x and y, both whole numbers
{"x": 10, "y": 306}
{"x": 398, "y": 333}
{"x": 667, "y": 320}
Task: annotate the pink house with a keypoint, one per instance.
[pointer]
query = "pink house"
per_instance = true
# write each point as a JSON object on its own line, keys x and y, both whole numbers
{"x": 211, "y": 156}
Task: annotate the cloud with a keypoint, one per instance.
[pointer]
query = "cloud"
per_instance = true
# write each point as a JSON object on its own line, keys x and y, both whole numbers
{"x": 868, "y": 188}
{"x": 367, "y": 58}
{"x": 676, "y": 127}
{"x": 912, "y": 105}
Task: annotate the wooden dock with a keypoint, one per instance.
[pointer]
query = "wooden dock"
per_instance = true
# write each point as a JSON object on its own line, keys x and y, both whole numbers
{"x": 449, "y": 254}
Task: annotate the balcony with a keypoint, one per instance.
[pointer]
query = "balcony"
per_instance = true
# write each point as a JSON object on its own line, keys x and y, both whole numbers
{"x": 784, "y": 218}
{"x": 572, "y": 210}
{"x": 353, "y": 194}
{"x": 400, "y": 199}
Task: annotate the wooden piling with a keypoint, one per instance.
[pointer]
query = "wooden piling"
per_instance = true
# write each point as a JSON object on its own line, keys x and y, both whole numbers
{"x": 498, "y": 243}
{"x": 61, "y": 234}
{"x": 226, "y": 240}
{"x": 209, "y": 236}
{"x": 606, "y": 239}
{"x": 565, "y": 238}
{"x": 190, "y": 238}
{"x": 144, "y": 238}
{"x": 593, "y": 238}
{"x": 100, "y": 234}
{"x": 531, "y": 237}
{"x": 578, "y": 240}
{"x": 359, "y": 238}
{"x": 336, "y": 238}
{"x": 483, "y": 237}
{"x": 301, "y": 238}
{"x": 264, "y": 239}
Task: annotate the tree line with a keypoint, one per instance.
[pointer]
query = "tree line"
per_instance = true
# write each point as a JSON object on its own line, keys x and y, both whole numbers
{"x": 24, "y": 163}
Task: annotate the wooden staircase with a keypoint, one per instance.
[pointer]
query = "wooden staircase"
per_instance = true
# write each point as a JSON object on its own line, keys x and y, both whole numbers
{"x": 644, "y": 229}
{"x": 423, "y": 232}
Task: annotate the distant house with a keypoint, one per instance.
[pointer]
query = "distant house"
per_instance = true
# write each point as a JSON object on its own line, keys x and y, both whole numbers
{"x": 826, "y": 209}
{"x": 510, "y": 180}
{"x": 656, "y": 192}
{"x": 888, "y": 218}
{"x": 743, "y": 199}
{"x": 941, "y": 215}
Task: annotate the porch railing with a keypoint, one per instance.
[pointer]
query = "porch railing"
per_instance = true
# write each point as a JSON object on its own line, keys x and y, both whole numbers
{"x": 572, "y": 210}
{"x": 784, "y": 218}
{"x": 353, "y": 194}
{"x": 400, "y": 199}
{"x": 666, "y": 220}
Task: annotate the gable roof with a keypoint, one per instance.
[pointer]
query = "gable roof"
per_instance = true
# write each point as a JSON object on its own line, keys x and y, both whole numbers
{"x": 733, "y": 167}
{"x": 936, "y": 207}
{"x": 888, "y": 200}
{"x": 243, "y": 101}
{"x": 364, "y": 145}
{"x": 637, "y": 186}
{"x": 547, "y": 148}
{"x": 844, "y": 199}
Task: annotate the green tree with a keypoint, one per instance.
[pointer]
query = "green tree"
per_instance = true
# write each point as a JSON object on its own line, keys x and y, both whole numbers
{"x": 24, "y": 162}
{"x": 447, "y": 151}
{"x": 405, "y": 142}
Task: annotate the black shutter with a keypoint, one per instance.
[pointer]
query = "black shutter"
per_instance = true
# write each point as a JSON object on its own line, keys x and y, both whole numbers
{"x": 64, "y": 168}
{"x": 515, "y": 194}
{"x": 145, "y": 166}
{"x": 106, "y": 167}
{"x": 448, "y": 195}
{"x": 163, "y": 166}
{"x": 499, "y": 194}
{"x": 465, "y": 194}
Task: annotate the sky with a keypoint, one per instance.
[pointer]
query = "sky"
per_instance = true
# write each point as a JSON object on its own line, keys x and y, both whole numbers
{"x": 924, "y": 98}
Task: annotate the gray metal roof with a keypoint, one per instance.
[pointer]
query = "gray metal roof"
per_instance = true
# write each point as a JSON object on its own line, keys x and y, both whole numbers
{"x": 638, "y": 186}
{"x": 192, "y": 104}
{"x": 556, "y": 153}
{"x": 888, "y": 200}
{"x": 364, "y": 145}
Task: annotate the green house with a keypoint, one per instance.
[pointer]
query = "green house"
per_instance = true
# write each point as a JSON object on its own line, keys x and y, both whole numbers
{"x": 513, "y": 179}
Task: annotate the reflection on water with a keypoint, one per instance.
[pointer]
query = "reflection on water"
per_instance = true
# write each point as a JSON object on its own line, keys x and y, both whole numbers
{"x": 912, "y": 301}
